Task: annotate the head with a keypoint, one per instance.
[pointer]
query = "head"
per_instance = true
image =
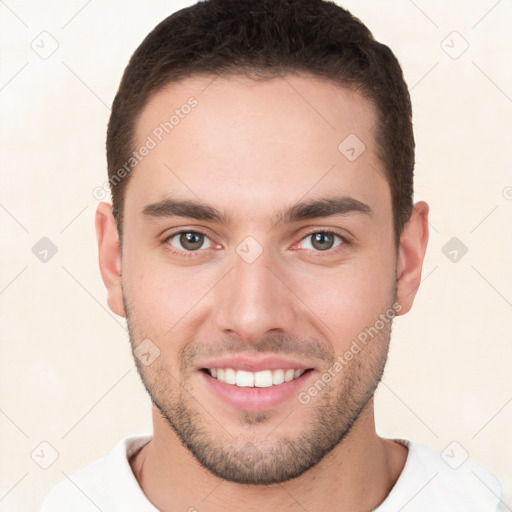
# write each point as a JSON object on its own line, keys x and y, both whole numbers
{"x": 268, "y": 223}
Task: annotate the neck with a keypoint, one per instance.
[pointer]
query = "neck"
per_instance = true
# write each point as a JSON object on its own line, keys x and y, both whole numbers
{"x": 172, "y": 479}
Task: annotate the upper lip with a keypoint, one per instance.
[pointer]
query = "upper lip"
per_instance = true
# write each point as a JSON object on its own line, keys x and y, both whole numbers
{"x": 254, "y": 364}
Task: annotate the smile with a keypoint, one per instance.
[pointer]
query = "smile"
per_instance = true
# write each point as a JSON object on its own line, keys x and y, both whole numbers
{"x": 260, "y": 379}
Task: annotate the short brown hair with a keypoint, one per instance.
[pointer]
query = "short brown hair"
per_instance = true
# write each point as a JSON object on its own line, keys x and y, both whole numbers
{"x": 269, "y": 38}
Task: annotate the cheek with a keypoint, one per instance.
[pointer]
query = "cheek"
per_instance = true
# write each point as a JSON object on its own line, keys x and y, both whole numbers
{"x": 345, "y": 300}
{"x": 161, "y": 295}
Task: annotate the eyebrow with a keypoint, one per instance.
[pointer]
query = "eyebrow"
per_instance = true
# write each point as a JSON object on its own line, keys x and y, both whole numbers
{"x": 323, "y": 207}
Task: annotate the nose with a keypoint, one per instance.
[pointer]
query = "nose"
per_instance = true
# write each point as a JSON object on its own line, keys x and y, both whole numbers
{"x": 254, "y": 299}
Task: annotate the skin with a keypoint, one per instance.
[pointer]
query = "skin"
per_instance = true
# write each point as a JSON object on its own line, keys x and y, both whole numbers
{"x": 252, "y": 149}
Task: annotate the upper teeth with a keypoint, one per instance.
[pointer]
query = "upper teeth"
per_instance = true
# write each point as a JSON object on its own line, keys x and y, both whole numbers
{"x": 262, "y": 379}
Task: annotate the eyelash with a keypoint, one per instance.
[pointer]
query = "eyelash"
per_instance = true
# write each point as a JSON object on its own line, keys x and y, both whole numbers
{"x": 192, "y": 254}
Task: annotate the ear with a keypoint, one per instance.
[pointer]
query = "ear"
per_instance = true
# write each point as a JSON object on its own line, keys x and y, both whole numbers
{"x": 109, "y": 252}
{"x": 413, "y": 244}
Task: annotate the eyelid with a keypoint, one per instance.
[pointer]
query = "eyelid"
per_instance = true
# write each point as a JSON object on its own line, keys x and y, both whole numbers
{"x": 332, "y": 231}
{"x": 181, "y": 230}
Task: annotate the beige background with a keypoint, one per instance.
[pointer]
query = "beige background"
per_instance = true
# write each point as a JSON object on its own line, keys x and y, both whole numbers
{"x": 67, "y": 376}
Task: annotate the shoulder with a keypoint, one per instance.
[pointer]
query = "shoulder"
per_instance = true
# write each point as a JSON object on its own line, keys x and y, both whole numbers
{"x": 443, "y": 481}
{"x": 96, "y": 486}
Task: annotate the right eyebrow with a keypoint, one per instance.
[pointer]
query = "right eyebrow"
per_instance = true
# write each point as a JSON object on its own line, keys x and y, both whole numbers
{"x": 184, "y": 208}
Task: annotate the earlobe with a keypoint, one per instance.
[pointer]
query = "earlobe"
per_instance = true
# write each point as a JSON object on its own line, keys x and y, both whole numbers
{"x": 109, "y": 253}
{"x": 413, "y": 244}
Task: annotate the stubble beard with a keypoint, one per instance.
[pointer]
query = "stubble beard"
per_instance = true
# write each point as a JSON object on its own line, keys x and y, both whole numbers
{"x": 260, "y": 455}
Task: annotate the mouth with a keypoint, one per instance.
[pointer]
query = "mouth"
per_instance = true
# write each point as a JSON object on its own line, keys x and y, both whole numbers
{"x": 255, "y": 386}
{"x": 260, "y": 379}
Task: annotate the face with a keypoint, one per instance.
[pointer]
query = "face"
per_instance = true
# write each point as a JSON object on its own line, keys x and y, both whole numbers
{"x": 257, "y": 254}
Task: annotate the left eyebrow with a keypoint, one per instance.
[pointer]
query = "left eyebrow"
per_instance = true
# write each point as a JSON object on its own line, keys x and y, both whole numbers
{"x": 323, "y": 207}
{"x": 316, "y": 208}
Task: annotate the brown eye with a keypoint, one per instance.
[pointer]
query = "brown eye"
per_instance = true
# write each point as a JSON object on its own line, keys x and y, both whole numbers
{"x": 189, "y": 240}
{"x": 322, "y": 240}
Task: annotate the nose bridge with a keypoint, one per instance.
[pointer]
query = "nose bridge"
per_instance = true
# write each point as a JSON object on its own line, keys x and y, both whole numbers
{"x": 253, "y": 299}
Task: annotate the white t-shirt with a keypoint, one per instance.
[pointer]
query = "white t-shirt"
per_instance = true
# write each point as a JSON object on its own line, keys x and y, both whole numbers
{"x": 427, "y": 484}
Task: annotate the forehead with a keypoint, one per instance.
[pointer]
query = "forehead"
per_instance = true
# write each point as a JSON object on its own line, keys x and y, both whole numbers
{"x": 246, "y": 143}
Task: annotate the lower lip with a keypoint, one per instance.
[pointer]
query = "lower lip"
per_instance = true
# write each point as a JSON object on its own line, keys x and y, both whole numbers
{"x": 256, "y": 399}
